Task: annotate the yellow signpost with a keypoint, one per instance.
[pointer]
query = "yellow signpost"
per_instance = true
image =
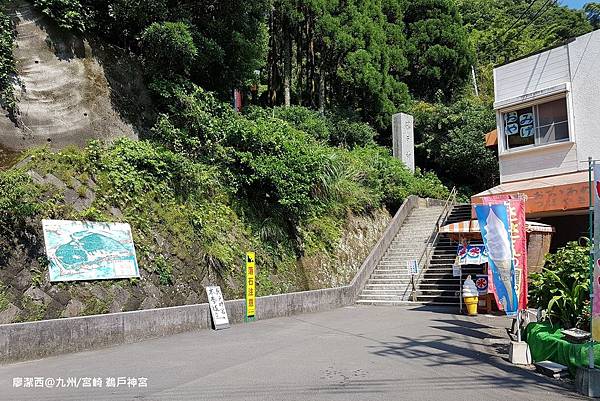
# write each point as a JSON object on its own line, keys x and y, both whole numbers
{"x": 250, "y": 285}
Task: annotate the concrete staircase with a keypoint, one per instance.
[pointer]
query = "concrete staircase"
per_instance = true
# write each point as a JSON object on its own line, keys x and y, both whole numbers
{"x": 389, "y": 284}
{"x": 437, "y": 285}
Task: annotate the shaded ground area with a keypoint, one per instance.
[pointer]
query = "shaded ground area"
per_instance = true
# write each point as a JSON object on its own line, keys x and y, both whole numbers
{"x": 354, "y": 353}
{"x": 7, "y": 157}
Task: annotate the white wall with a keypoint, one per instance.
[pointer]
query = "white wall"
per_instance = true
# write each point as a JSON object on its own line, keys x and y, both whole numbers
{"x": 540, "y": 162}
{"x": 584, "y": 61}
{"x": 573, "y": 69}
{"x": 532, "y": 74}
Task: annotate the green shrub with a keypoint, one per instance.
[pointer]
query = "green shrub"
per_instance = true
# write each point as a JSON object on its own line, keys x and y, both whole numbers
{"x": 450, "y": 139}
{"x": 164, "y": 270}
{"x": 562, "y": 288}
{"x": 7, "y": 63}
{"x": 278, "y": 163}
{"x": 4, "y": 301}
{"x": 280, "y": 158}
{"x": 395, "y": 182}
{"x": 351, "y": 134}
{"x": 31, "y": 310}
{"x": 95, "y": 306}
{"x": 332, "y": 129}
{"x": 168, "y": 48}
{"x": 68, "y": 14}
{"x": 132, "y": 16}
{"x": 304, "y": 119}
{"x": 18, "y": 197}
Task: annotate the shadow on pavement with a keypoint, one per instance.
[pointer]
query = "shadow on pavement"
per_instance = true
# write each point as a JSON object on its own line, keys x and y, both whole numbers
{"x": 465, "y": 348}
{"x": 444, "y": 309}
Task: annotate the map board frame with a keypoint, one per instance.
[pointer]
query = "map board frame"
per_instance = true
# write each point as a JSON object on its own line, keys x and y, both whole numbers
{"x": 85, "y": 250}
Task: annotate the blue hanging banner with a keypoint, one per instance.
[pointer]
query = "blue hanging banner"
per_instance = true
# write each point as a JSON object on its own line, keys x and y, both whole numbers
{"x": 494, "y": 224}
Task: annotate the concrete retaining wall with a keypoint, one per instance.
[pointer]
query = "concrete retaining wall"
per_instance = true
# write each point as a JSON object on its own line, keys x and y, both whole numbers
{"x": 31, "y": 340}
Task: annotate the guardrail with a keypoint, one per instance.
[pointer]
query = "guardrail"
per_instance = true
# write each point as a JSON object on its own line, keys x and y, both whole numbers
{"x": 430, "y": 245}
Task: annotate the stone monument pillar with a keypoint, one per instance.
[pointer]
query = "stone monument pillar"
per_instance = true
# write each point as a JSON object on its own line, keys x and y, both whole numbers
{"x": 403, "y": 139}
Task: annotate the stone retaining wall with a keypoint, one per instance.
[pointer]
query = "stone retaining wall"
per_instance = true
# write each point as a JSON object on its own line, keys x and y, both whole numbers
{"x": 31, "y": 340}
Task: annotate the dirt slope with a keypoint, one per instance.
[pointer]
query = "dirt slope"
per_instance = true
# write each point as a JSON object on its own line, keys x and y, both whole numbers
{"x": 70, "y": 90}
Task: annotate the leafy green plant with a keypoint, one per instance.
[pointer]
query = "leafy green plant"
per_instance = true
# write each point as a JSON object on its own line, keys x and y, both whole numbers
{"x": 37, "y": 277}
{"x": 68, "y": 14}
{"x": 562, "y": 288}
{"x": 168, "y": 48}
{"x": 4, "y": 302}
{"x": 164, "y": 270}
{"x": 95, "y": 306}
{"x": 7, "y": 63}
{"x": 18, "y": 197}
{"x": 32, "y": 310}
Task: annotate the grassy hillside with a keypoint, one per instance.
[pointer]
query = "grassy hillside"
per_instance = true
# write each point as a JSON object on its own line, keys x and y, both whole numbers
{"x": 209, "y": 186}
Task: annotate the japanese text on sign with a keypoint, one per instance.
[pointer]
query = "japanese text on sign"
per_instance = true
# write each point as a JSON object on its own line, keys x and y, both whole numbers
{"x": 250, "y": 284}
{"x": 217, "y": 307}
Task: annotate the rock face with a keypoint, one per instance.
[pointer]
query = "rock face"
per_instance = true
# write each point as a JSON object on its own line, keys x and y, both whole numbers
{"x": 70, "y": 90}
{"x": 338, "y": 268}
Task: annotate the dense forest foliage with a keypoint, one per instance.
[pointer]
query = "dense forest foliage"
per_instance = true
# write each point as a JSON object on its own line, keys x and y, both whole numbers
{"x": 361, "y": 59}
{"x": 321, "y": 80}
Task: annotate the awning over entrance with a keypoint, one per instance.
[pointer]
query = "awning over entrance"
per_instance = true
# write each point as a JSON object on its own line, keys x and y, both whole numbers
{"x": 472, "y": 227}
{"x": 547, "y": 195}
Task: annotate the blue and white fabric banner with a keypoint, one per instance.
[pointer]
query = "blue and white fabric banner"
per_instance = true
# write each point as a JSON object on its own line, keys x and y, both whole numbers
{"x": 471, "y": 254}
{"x": 494, "y": 224}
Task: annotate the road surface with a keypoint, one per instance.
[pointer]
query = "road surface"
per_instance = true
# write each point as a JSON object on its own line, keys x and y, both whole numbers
{"x": 354, "y": 353}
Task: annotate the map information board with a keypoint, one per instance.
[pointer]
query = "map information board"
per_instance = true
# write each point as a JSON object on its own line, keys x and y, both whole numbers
{"x": 82, "y": 250}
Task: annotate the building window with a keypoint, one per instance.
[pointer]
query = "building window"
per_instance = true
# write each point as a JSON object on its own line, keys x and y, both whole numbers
{"x": 540, "y": 124}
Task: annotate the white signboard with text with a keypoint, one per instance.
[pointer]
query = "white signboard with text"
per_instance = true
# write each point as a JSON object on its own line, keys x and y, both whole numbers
{"x": 412, "y": 267}
{"x": 217, "y": 307}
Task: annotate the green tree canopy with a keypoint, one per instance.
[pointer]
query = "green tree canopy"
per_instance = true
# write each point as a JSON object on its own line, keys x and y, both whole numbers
{"x": 438, "y": 48}
{"x": 592, "y": 11}
{"x": 168, "y": 47}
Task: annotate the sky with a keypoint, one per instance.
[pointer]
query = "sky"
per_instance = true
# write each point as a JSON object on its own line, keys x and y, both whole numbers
{"x": 575, "y": 3}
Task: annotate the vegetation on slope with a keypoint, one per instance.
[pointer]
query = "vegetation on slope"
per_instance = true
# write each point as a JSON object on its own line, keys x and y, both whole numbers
{"x": 210, "y": 185}
{"x": 362, "y": 59}
{"x": 323, "y": 79}
{"x": 7, "y": 63}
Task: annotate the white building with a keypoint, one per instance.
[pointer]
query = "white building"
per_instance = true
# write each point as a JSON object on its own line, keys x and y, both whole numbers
{"x": 548, "y": 124}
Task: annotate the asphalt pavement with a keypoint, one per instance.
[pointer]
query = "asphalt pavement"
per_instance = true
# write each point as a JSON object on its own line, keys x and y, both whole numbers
{"x": 355, "y": 353}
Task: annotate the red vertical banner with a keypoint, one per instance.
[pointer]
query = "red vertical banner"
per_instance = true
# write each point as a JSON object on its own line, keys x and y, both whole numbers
{"x": 238, "y": 100}
{"x": 596, "y": 274}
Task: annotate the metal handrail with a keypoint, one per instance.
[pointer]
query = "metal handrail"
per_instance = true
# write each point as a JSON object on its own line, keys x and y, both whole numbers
{"x": 429, "y": 246}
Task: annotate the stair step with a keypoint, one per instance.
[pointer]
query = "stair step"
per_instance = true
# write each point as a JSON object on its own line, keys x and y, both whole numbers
{"x": 383, "y": 294}
{"x": 448, "y": 284}
{"x": 442, "y": 293}
{"x": 366, "y": 293}
{"x": 385, "y": 287}
{"x": 434, "y": 273}
{"x": 390, "y": 276}
{"x": 385, "y": 297}
{"x": 383, "y": 302}
{"x": 434, "y": 296}
{"x": 442, "y": 261}
{"x": 392, "y": 271}
{"x": 387, "y": 281}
